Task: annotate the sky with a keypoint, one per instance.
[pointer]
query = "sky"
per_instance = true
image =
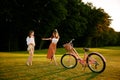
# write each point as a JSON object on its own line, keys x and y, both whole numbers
{"x": 112, "y": 7}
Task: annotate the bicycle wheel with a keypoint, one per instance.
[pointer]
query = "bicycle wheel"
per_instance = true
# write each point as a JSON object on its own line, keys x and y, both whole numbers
{"x": 96, "y": 62}
{"x": 68, "y": 61}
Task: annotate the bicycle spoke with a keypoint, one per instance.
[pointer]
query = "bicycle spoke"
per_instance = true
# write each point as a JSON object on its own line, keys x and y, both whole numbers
{"x": 68, "y": 61}
{"x": 96, "y": 63}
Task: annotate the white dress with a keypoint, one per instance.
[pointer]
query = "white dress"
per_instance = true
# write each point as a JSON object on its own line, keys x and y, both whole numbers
{"x": 30, "y": 40}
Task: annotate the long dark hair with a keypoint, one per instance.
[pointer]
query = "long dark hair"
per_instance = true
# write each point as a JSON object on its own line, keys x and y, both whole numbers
{"x": 31, "y": 31}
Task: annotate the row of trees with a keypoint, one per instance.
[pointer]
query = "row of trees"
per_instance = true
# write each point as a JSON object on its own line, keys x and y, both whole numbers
{"x": 73, "y": 19}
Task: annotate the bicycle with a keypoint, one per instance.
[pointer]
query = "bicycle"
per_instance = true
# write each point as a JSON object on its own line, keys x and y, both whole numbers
{"x": 94, "y": 60}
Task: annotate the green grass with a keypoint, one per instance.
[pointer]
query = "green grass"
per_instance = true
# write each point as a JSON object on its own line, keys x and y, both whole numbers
{"x": 13, "y": 67}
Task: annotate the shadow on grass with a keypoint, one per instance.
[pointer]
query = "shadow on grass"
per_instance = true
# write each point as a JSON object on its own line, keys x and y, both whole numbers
{"x": 49, "y": 73}
{"x": 54, "y": 72}
{"x": 90, "y": 75}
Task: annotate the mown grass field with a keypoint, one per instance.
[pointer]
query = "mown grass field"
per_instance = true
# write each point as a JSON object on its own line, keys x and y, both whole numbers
{"x": 13, "y": 66}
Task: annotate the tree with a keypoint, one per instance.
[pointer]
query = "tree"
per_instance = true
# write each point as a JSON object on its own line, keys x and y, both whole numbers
{"x": 98, "y": 23}
{"x": 73, "y": 19}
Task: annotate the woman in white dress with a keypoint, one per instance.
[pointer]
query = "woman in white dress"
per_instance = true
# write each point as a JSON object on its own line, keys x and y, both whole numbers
{"x": 31, "y": 45}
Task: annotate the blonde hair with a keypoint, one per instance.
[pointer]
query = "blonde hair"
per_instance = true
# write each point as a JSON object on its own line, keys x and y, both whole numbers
{"x": 55, "y": 34}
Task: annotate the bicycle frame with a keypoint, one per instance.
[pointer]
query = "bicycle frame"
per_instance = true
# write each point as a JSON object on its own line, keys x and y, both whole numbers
{"x": 71, "y": 50}
{"x": 94, "y": 60}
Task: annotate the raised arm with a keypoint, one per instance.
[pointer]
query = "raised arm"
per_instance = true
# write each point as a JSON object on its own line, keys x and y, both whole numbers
{"x": 46, "y": 38}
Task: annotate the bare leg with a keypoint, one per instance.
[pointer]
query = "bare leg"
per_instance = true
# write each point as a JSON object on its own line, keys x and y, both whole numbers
{"x": 51, "y": 61}
{"x": 54, "y": 58}
{"x": 31, "y": 58}
{"x": 29, "y": 61}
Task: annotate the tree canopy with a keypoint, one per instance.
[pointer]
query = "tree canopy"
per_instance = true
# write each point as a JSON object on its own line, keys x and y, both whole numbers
{"x": 90, "y": 26}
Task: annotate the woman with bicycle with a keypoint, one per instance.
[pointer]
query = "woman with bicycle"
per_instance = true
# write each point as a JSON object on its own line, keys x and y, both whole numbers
{"x": 52, "y": 47}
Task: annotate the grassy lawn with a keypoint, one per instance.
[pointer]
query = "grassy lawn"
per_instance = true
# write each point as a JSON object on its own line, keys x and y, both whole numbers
{"x": 13, "y": 67}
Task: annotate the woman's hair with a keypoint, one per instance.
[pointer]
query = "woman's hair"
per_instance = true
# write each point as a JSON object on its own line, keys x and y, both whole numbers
{"x": 31, "y": 31}
{"x": 55, "y": 32}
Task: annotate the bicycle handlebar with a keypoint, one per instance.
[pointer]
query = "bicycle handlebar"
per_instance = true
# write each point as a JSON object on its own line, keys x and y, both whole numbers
{"x": 71, "y": 41}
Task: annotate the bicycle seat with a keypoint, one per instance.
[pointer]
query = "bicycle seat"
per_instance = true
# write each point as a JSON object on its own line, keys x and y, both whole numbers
{"x": 86, "y": 49}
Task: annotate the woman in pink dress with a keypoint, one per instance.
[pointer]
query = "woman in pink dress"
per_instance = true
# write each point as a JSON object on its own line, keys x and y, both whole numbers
{"x": 52, "y": 47}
